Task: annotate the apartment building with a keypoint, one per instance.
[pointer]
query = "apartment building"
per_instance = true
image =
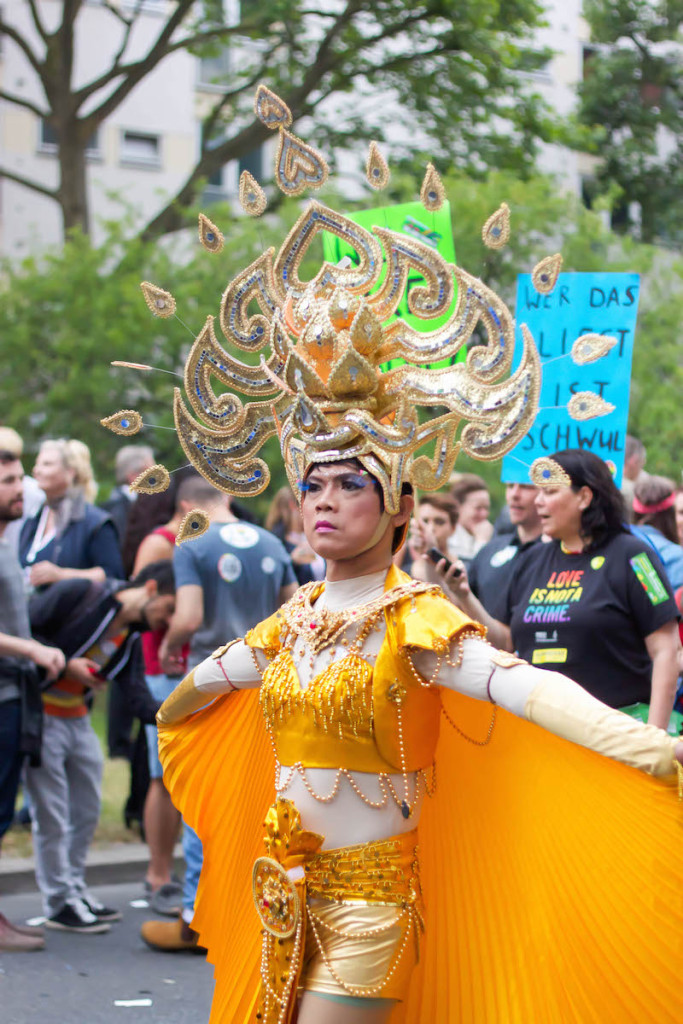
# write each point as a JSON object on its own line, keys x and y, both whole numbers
{"x": 145, "y": 149}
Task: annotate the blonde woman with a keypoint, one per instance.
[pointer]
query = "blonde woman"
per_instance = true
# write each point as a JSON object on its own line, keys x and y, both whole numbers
{"x": 68, "y": 537}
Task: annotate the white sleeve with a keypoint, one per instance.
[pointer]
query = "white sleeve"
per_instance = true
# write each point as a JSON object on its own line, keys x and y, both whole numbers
{"x": 236, "y": 663}
{"x": 479, "y": 677}
{"x": 554, "y": 702}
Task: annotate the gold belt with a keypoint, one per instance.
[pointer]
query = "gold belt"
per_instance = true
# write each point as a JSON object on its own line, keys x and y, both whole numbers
{"x": 380, "y": 872}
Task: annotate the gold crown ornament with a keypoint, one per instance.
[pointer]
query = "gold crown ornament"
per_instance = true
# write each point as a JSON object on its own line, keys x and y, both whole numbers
{"x": 322, "y": 384}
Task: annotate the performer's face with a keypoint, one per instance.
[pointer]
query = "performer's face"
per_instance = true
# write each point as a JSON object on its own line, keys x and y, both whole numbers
{"x": 343, "y": 517}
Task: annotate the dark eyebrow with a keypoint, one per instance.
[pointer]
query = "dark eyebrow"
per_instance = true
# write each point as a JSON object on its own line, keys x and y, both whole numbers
{"x": 343, "y": 475}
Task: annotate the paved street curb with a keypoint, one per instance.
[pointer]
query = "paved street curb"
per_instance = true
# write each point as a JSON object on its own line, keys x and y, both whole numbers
{"x": 108, "y": 865}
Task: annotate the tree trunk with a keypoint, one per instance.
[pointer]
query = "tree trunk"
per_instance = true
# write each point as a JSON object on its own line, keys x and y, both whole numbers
{"x": 73, "y": 194}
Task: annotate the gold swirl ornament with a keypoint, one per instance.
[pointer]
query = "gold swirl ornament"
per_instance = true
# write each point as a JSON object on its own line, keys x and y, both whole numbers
{"x": 126, "y": 422}
{"x": 432, "y": 193}
{"x": 545, "y": 274}
{"x": 152, "y": 481}
{"x": 159, "y": 302}
{"x": 496, "y": 231}
{"x": 192, "y": 525}
{"x": 275, "y": 898}
{"x": 377, "y": 169}
{"x": 545, "y": 472}
{"x": 586, "y": 405}
{"x": 253, "y": 199}
{"x": 591, "y": 347}
{"x": 298, "y": 166}
{"x": 271, "y": 111}
{"x": 209, "y": 235}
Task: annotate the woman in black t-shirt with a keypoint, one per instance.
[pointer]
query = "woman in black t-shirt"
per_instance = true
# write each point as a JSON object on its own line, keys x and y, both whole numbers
{"x": 594, "y": 603}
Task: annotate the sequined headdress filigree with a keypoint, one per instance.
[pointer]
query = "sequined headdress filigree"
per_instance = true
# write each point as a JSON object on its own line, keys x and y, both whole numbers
{"x": 320, "y": 385}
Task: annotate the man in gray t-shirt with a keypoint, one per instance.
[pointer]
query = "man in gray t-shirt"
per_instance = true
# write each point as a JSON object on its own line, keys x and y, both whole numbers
{"x": 228, "y": 580}
{"x": 235, "y": 575}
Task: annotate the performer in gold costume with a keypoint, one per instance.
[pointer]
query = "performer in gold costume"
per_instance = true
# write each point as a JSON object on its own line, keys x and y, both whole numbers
{"x": 388, "y": 834}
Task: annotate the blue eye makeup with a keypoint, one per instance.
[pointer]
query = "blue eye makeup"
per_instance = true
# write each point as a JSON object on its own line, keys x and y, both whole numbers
{"x": 355, "y": 479}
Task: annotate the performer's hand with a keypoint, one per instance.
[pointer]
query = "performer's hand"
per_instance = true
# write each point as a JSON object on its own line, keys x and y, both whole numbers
{"x": 43, "y": 573}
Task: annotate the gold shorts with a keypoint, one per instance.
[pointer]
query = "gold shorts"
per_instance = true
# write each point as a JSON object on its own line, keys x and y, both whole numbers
{"x": 364, "y": 919}
{"x": 348, "y": 924}
{"x": 340, "y": 958}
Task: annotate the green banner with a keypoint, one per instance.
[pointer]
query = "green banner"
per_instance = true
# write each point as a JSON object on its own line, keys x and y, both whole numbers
{"x": 413, "y": 220}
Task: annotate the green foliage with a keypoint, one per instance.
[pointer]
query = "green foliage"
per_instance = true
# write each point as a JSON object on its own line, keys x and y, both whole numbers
{"x": 631, "y": 101}
{"x": 65, "y": 317}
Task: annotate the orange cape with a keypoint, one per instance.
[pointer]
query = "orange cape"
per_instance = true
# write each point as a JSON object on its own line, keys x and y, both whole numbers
{"x": 553, "y": 877}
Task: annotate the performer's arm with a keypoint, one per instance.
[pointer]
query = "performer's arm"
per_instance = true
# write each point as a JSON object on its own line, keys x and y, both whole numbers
{"x": 556, "y": 703}
{"x": 233, "y": 667}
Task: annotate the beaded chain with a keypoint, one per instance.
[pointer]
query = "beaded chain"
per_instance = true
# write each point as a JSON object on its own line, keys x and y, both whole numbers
{"x": 470, "y": 739}
{"x": 424, "y": 779}
{"x": 271, "y": 995}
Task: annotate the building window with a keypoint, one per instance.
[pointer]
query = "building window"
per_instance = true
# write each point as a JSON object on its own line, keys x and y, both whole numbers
{"x": 140, "y": 149}
{"x": 215, "y": 183}
{"x": 252, "y": 162}
{"x": 588, "y": 56}
{"x": 213, "y": 71}
{"x": 48, "y": 140}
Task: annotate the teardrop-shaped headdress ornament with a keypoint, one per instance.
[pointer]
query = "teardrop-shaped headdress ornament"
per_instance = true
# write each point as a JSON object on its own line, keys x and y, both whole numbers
{"x": 322, "y": 384}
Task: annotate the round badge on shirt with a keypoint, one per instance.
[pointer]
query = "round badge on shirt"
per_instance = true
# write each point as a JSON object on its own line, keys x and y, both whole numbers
{"x": 239, "y": 535}
{"x": 229, "y": 567}
{"x": 503, "y": 556}
{"x": 268, "y": 565}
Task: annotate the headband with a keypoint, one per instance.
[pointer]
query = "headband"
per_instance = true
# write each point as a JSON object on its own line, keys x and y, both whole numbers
{"x": 659, "y": 506}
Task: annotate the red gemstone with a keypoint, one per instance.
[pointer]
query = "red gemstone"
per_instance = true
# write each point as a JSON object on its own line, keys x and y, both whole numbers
{"x": 313, "y": 625}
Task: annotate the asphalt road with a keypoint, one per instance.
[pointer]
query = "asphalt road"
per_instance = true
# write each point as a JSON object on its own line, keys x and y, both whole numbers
{"x": 78, "y": 979}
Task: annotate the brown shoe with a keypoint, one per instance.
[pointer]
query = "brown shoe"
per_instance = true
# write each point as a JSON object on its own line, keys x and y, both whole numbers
{"x": 14, "y": 941}
{"x": 171, "y": 936}
{"x": 24, "y": 929}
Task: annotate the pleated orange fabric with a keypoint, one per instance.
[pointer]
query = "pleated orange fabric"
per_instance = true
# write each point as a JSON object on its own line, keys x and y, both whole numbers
{"x": 553, "y": 877}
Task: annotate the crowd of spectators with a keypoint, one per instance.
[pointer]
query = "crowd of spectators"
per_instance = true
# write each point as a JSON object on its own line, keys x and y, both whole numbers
{"x": 581, "y": 578}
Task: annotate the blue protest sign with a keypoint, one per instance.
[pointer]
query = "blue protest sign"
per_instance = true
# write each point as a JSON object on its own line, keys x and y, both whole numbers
{"x": 579, "y": 304}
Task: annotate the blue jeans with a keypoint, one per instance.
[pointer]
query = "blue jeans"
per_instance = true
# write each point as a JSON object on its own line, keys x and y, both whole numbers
{"x": 10, "y": 760}
{"x": 194, "y": 857}
{"x": 161, "y": 687}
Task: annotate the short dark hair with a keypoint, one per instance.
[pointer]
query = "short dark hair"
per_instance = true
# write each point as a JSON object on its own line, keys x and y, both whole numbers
{"x": 606, "y": 515}
{"x": 162, "y": 574}
{"x": 444, "y": 503}
{"x": 467, "y": 483}
{"x": 6, "y": 456}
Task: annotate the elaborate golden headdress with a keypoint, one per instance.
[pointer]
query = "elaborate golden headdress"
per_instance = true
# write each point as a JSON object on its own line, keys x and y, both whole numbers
{"x": 322, "y": 387}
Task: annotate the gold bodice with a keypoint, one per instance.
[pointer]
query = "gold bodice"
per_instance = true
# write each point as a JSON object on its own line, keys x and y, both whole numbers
{"x": 353, "y": 715}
